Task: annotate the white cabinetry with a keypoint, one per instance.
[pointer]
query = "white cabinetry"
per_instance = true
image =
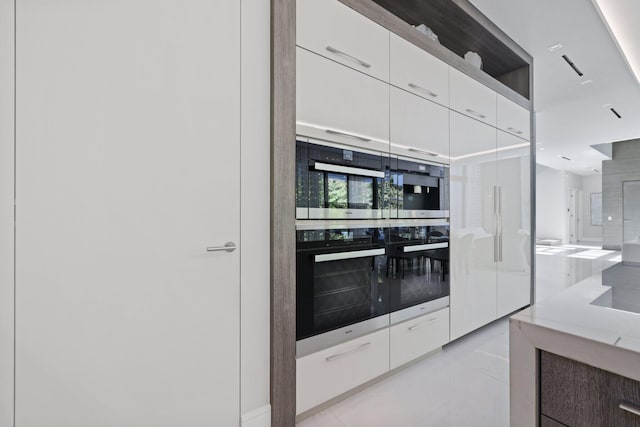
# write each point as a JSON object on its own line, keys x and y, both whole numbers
{"x": 514, "y": 224}
{"x": 472, "y": 98}
{"x": 419, "y": 72}
{"x": 513, "y": 118}
{"x": 417, "y": 337}
{"x": 473, "y": 224}
{"x": 338, "y": 103}
{"x": 490, "y": 224}
{"x": 418, "y": 124}
{"x": 337, "y": 32}
{"x": 324, "y": 375}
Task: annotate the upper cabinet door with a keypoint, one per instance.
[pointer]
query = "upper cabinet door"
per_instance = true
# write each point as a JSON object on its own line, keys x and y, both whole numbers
{"x": 513, "y": 118}
{"x": 337, "y": 32}
{"x": 419, "y": 72}
{"x": 339, "y": 104}
{"x": 418, "y": 126}
{"x": 472, "y": 98}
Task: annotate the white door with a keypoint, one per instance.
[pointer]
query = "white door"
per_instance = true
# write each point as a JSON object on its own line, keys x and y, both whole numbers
{"x": 127, "y": 170}
{"x": 473, "y": 224}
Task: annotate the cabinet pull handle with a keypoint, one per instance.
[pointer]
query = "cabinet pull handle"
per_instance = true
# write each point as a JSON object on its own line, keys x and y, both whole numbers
{"x": 335, "y": 132}
{"x": 344, "y": 353}
{"x": 228, "y": 247}
{"x": 423, "y": 90}
{"x": 347, "y": 56}
{"x": 629, "y": 408}
{"x": 514, "y": 130}
{"x": 475, "y": 113}
{"x": 423, "y": 324}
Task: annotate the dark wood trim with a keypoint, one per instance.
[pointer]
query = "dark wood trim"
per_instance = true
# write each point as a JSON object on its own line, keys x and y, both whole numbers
{"x": 383, "y": 17}
{"x": 493, "y": 28}
{"x": 283, "y": 256}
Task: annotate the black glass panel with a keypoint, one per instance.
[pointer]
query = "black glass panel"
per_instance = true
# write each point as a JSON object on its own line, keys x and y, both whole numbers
{"x": 335, "y": 286}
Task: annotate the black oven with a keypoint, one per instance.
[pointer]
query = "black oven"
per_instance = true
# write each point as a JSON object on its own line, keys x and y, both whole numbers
{"x": 417, "y": 268}
{"x": 342, "y": 287}
{"x": 418, "y": 189}
{"x": 334, "y": 182}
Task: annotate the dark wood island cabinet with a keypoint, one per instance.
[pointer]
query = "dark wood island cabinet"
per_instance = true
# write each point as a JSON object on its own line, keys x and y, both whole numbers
{"x": 575, "y": 394}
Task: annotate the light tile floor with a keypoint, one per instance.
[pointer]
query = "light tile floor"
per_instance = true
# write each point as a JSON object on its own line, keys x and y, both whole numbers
{"x": 467, "y": 383}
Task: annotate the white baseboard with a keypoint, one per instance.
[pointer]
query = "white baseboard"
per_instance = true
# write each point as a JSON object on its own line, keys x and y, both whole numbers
{"x": 260, "y": 417}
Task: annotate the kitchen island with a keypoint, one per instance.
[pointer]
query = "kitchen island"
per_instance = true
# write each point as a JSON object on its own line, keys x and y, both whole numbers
{"x": 575, "y": 358}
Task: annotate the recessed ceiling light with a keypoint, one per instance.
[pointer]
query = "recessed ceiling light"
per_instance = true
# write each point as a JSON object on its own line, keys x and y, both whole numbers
{"x": 586, "y": 82}
{"x": 555, "y": 47}
{"x": 607, "y": 106}
{"x": 541, "y": 148}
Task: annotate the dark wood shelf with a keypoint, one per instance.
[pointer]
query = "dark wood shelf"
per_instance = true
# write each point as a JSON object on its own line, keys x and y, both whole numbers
{"x": 461, "y": 28}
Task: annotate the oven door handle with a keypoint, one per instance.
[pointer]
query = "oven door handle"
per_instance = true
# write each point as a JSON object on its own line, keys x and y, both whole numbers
{"x": 348, "y": 170}
{"x": 426, "y": 247}
{"x": 337, "y": 256}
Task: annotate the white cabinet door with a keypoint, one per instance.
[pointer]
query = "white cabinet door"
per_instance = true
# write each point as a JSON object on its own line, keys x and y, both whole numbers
{"x": 418, "y": 126}
{"x": 513, "y": 118}
{"x": 514, "y": 224}
{"x": 337, "y": 103}
{"x": 417, "y": 337}
{"x": 417, "y": 71}
{"x": 336, "y": 31}
{"x": 472, "y": 98}
{"x": 329, "y": 373}
{"x": 473, "y": 224}
{"x": 127, "y": 170}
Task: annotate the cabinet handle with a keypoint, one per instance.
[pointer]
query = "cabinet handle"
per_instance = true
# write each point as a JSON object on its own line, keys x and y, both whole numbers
{"x": 629, "y": 408}
{"x": 344, "y": 353}
{"x": 423, "y": 324}
{"x": 335, "y": 132}
{"x": 475, "y": 113}
{"x": 347, "y": 56}
{"x": 514, "y": 130}
{"x": 423, "y": 90}
{"x": 228, "y": 247}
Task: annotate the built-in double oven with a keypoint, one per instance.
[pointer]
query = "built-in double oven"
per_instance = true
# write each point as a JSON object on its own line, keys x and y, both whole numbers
{"x": 360, "y": 266}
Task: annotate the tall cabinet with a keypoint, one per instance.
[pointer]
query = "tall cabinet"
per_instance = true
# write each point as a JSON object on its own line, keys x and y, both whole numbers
{"x": 490, "y": 212}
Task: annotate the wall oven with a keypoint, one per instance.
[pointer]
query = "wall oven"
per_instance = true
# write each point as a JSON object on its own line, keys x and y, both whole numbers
{"x": 334, "y": 182}
{"x": 418, "y": 189}
{"x": 417, "y": 268}
{"x": 342, "y": 286}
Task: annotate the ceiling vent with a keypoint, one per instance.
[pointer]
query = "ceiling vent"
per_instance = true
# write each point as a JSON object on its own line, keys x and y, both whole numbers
{"x": 566, "y": 158}
{"x": 613, "y": 110}
{"x": 572, "y": 65}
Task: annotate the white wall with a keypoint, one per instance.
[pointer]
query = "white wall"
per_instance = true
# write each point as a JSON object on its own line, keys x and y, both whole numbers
{"x": 590, "y": 184}
{"x": 255, "y": 207}
{"x": 6, "y": 212}
{"x": 552, "y": 202}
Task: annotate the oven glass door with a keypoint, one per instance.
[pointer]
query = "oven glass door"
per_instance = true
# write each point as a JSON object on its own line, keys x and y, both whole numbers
{"x": 418, "y": 265}
{"x": 340, "y": 278}
{"x": 338, "y": 183}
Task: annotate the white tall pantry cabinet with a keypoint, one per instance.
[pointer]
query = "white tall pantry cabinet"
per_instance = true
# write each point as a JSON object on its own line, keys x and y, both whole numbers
{"x": 127, "y": 180}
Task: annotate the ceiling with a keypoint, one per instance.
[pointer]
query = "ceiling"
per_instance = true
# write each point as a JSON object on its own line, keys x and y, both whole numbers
{"x": 570, "y": 116}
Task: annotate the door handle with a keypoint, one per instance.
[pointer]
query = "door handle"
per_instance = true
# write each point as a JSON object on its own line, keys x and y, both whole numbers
{"x": 228, "y": 247}
{"x": 423, "y": 90}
